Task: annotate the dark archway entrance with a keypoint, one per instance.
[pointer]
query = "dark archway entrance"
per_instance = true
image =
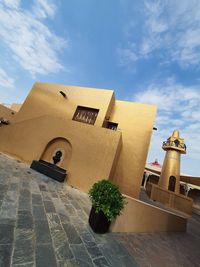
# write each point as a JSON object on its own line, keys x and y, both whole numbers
{"x": 172, "y": 183}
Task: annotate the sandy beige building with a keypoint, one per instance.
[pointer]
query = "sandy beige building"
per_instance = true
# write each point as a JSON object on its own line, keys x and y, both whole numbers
{"x": 189, "y": 185}
{"x": 99, "y": 136}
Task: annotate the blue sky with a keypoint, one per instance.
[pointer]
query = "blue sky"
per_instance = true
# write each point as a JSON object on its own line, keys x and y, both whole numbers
{"x": 147, "y": 51}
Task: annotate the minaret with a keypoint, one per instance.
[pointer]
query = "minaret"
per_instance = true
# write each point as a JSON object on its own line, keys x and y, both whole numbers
{"x": 170, "y": 174}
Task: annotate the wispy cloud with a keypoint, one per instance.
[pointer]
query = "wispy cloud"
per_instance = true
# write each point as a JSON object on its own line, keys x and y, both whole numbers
{"x": 178, "y": 108}
{"x": 44, "y": 8}
{"x": 126, "y": 55}
{"x": 12, "y": 3}
{"x": 31, "y": 43}
{"x": 170, "y": 28}
{"x": 5, "y": 80}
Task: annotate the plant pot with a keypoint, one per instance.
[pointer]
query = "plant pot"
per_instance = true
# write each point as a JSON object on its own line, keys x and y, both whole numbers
{"x": 98, "y": 222}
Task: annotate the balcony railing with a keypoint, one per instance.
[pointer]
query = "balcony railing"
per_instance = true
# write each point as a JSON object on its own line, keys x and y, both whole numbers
{"x": 174, "y": 144}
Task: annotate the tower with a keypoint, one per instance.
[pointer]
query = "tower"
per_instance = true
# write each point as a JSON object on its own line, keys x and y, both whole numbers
{"x": 170, "y": 174}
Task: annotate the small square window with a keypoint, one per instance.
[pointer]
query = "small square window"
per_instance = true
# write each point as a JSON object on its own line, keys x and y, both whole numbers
{"x": 110, "y": 125}
{"x": 85, "y": 115}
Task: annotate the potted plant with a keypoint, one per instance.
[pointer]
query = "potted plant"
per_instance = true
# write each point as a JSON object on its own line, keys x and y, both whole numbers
{"x": 107, "y": 203}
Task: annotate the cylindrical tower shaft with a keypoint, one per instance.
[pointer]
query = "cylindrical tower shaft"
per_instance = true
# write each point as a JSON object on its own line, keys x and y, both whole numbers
{"x": 170, "y": 174}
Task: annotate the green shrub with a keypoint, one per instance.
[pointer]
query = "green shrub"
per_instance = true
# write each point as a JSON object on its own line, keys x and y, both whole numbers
{"x": 106, "y": 197}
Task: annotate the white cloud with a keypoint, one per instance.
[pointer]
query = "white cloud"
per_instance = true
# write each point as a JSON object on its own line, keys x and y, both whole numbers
{"x": 169, "y": 27}
{"x": 178, "y": 108}
{"x": 172, "y": 99}
{"x": 126, "y": 55}
{"x": 29, "y": 40}
{"x": 44, "y": 8}
{"x": 5, "y": 80}
{"x": 12, "y": 3}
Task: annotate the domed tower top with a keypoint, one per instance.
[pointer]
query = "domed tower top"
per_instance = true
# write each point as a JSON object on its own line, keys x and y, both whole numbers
{"x": 175, "y": 134}
{"x": 174, "y": 142}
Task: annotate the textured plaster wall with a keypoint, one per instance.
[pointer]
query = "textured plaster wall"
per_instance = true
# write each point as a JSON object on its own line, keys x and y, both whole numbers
{"x": 45, "y": 99}
{"x": 138, "y": 216}
{"x": 135, "y": 121}
{"x": 171, "y": 199}
{"x": 16, "y": 107}
{"x": 93, "y": 149}
{"x": 7, "y": 113}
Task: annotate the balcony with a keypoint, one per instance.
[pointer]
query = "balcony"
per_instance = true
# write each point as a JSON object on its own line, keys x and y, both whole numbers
{"x": 175, "y": 144}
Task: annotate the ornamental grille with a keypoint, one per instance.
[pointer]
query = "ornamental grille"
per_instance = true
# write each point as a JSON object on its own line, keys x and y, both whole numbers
{"x": 85, "y": 115}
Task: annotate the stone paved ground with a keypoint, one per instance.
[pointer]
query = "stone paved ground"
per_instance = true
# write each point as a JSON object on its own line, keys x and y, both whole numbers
{"x": 44, "y": 223}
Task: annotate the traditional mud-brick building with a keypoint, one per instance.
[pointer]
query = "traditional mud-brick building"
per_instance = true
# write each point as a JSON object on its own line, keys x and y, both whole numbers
{"x": 99, "y": 137}
{"x": 93, "y": 136}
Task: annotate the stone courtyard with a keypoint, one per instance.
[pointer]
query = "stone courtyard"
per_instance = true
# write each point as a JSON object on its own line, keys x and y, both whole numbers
{"x": 44, "y": 223}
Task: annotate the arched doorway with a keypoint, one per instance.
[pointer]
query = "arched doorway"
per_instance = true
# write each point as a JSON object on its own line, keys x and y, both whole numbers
{"x": 172, "y": 183}
{"x": 58, "y": 146}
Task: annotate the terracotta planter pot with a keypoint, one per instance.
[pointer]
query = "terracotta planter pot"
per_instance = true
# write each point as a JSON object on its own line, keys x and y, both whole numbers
{"x": 98, "y": 222}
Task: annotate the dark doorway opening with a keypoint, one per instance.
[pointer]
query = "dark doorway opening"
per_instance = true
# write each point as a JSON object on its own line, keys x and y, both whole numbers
{"x": 172, "y": 183}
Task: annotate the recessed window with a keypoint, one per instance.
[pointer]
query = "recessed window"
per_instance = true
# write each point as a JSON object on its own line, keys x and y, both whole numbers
{"x": 110, "y": 125}
{"x": 85, "y": 115}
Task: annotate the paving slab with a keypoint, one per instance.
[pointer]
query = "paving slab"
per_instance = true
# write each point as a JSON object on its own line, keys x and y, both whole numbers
{"x": 45, "y": 223}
